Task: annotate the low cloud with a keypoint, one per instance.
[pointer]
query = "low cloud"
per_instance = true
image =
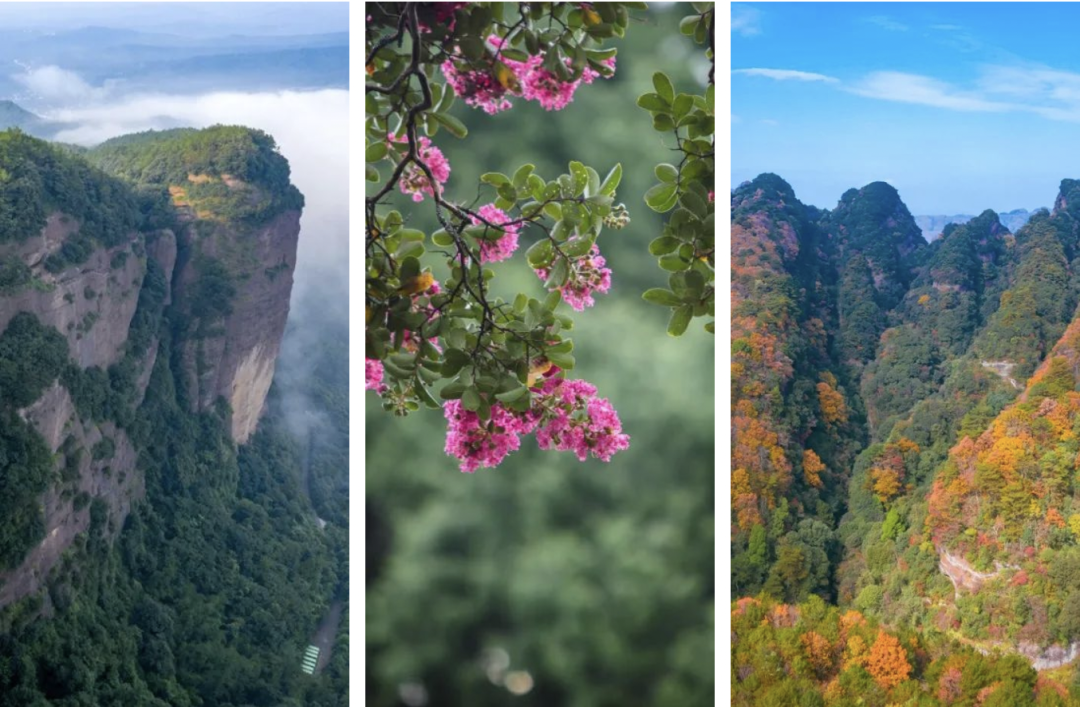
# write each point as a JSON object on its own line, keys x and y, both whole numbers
{"x": 53, "y": 84}
{"x": 786, "y": 75}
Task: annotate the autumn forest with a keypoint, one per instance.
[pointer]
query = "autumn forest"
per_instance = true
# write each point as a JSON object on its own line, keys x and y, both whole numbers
{"x": 905, "y": 453}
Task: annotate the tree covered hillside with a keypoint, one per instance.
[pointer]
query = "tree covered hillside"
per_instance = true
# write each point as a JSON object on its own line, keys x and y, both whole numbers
{"x": 955, "y": 404}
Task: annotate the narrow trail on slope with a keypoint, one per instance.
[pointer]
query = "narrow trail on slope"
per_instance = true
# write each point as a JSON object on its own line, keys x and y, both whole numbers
{"x": 1004, "y": 370}
{"x": 964, "y": 576}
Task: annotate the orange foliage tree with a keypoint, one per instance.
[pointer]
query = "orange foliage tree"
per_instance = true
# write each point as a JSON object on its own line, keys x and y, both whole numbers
{"x": 887, "y": 662}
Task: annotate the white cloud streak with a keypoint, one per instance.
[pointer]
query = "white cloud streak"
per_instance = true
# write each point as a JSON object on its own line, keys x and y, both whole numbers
{"x": 786, "y": 75}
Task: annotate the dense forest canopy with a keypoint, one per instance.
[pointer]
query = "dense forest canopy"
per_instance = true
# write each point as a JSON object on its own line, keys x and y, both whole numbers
{"x": 202, "y": 163}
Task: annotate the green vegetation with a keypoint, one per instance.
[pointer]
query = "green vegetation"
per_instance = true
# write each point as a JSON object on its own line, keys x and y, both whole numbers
{"x": 37, "y": 178}
{"x": 14, "y": 275}
{"x": 197, "y": 160}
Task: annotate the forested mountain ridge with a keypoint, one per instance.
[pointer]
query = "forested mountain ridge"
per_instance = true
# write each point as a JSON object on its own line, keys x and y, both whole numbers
{"x": 145, "y": 525}
{"x": 955, "y": 513}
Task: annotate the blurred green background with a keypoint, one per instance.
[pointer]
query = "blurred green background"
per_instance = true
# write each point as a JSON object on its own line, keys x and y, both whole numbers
{"x": 548, "y": 582}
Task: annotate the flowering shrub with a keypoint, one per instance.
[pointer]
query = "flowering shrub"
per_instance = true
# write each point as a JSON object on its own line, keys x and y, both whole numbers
{"x": 498, "y": 369}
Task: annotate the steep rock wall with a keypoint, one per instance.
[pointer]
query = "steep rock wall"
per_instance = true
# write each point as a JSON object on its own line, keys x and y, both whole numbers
{"x": 233, "y": 356}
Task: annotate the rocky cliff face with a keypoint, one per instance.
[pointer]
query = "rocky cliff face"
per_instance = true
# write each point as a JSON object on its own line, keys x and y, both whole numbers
{"x": 225, "y": 282}
{"x": 234, "y": 342}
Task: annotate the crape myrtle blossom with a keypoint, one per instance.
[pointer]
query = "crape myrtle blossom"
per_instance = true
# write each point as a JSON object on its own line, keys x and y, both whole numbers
{"x": 501, "y": 249}
{"x": 565, "y": 414}
{"x": 479, "y": 89}
{"x": 587, "y": 275}
{"x": 578, "y": 421}
{"x": 476, "y": 443}
{"x": 373, "y": 375}
{"x": 529, "y": 79}
{"x": 413, "y": 180}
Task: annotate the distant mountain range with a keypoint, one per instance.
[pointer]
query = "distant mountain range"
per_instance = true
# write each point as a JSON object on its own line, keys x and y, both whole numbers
{"x": 932, "y": 226}
{"x": 124, "y": 61}
{"x": 12, "y": 115}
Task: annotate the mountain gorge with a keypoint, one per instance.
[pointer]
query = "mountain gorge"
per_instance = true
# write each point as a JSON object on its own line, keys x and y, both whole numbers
{"x": 147, "y": 517}
{"x": 904, "y": 447}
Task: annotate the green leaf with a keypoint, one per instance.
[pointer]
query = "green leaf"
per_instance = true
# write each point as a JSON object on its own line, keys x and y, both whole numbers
{"x": 453, "y": 361}
{"x": 664, "y": 245}
{"x": 593, "y": 185}
{"x": 452, "y": 390}
{"x": 663, "y": 123}
{"x": 577, "y": 247}
{"x": 694, "y": 203}
{"x": 512, "y": 395}
{"x": 452, "y": 124}
{"x": 680, "y": 319}
{"x": 447, "y": 99}
{"x": 580, "y": 177}
{"x": 552, "y": 300}
{"x": 375, "y": 151}
{"x": 470, "y": 399}
{"x": 521, "y": 176}
{"x": 370, "y": 173}
{"x": 663, "y": 86}
{"x": 564, "y": 361}
{"x": 495, "y": 178}
{"x": 559, "y": 274}
{"x": 659, "y": 195}
{"x": 611, "y": 181}
{"x": 653, "y": 102}
{"x": 536, "y": 187}
{"x": 442, "y": 238}
{"x": 682, "y": 105}
{"x": 539, "y": 254}
{"x": 659, "y": 295}
{"x": 688, "y": 24}
{"x": 673, "y": 263}
{"x": 667, "y": 173}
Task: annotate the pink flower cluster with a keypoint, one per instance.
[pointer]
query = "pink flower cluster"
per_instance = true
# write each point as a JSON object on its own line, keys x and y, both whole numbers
{"x": 497, "y": 251}
{"x": 476, "y": 443}
{"x": 373, "y": 375}
{"x": 481, "y": 89}
{"x": 566, "y": 416}
{"x": 413, "y": 180}
{"x": 587, "y": 275}
{"x": 581, "y": 422}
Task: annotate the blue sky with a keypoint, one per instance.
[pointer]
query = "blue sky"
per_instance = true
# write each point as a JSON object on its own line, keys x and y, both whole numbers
{"x": 960, "y": 106}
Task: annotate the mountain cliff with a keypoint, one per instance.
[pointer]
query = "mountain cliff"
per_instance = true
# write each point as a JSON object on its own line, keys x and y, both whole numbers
{"x": 161, "y": 249}
{"x": 954, "y": 365}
